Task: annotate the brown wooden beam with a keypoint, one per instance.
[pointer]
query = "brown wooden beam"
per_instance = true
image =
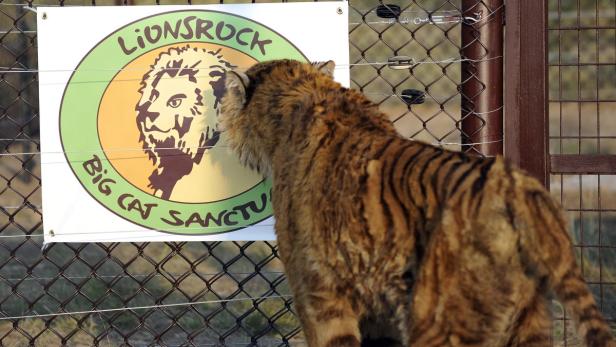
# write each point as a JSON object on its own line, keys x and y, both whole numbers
{"x": 526, "y": 89}
{"x": 583, "y": 164}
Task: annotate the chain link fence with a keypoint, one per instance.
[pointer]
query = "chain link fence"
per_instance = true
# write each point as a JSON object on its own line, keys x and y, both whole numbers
{"x": 204, "y": 293}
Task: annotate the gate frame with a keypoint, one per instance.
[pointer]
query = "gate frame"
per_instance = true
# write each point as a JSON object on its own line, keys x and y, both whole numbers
{"x": 526, "y": 99}
{"x": 526, "y": 87}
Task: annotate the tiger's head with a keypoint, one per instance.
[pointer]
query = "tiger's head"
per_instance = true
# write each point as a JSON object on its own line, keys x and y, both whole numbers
{"x": 259, "y": 105}
{"x": 177, "y": 114}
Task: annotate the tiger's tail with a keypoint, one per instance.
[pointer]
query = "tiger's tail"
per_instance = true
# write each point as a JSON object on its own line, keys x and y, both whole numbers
{"x": 548, "y": 245}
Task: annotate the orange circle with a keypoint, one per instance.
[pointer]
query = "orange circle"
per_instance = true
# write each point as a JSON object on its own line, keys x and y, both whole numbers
{"x": 119, "y": 136}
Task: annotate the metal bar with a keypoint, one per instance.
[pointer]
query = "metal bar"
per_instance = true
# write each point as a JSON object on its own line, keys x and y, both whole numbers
{"x": 585, "y": 64}
{"x": 590, "y": 137}
{"x": 595, "y": 27}
{"x": 526, "y": 107}
{"x": 583, "y": 164}
{"x": 594, "y": 100}
{"x": 482, "y": 82}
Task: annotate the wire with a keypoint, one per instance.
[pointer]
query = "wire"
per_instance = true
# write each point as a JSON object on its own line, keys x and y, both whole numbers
{"x": 433, "y": 18}
{"x": 436, "y": 20}
{"x": 20, "y": 236}
{"x": 54, "y": 234}
{"x": 31, "y": 206}
{"x": 5, "y": 69}
{"x": 431, "y": 98}
{"x": 467, "y": 113}
{"x": 111, "y": 150}
{"x": 22, "y": 140}
{"x": 407, "y": 64}
{"x": 21, "y": 32}
{"x": 97, "y": 276}
{"x": 145, "y": 307}
{"x": 468, "y": 144}
{"x": 117, "y": 149}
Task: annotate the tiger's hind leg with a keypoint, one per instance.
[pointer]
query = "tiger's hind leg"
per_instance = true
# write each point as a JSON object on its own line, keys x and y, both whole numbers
{"x": 434, "y": 336}
{"x": 533, "y": 327}
{"x": 450, "y": 307}
{"x": 328, "y": 320}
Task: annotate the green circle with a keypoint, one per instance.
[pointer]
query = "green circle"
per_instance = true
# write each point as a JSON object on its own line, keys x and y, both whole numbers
{"x": 79, "y": 132}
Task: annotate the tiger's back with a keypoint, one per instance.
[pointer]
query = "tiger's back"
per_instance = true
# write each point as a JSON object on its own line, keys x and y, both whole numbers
{"x": 386, "y": 240}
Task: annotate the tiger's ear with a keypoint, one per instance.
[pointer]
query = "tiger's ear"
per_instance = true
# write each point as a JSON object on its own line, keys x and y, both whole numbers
{"x": 236, "y": 82}
{"x": 326, "y": 67}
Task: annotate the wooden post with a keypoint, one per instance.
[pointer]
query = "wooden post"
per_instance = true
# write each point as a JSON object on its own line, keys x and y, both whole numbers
{"x": 526, "y": 89}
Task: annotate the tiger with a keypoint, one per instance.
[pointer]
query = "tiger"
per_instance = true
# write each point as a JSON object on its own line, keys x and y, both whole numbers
{"x": 388, "y": 241}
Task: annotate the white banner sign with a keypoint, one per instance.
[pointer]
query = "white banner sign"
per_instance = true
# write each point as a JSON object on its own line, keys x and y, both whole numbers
{"x": 129, "y": 107}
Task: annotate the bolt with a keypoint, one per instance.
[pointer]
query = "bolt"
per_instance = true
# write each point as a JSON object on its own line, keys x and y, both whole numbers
{"x": 44, "y": 15}
{"x": 339, "y": 10}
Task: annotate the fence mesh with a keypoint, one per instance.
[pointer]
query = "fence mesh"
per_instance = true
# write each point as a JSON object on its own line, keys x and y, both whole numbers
{"x": 582, "y": 120}
{"x": 236, "y": 276}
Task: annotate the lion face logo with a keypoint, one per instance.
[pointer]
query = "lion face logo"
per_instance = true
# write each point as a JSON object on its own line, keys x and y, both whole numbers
{"x": 177, "y": 114}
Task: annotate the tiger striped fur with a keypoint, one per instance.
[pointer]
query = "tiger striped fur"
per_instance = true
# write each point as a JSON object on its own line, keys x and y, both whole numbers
{"x": 388, "y": 241}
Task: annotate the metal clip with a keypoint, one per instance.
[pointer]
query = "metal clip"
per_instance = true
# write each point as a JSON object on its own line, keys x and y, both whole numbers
{"x": 413, "y": 96}
{"x": 388, "y": 11}
{"x": 476, "y": 18}
{"x": 400, "y": 62}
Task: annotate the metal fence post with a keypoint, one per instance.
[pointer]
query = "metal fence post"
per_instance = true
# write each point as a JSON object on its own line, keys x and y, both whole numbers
{"x": 482, "y": 77}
